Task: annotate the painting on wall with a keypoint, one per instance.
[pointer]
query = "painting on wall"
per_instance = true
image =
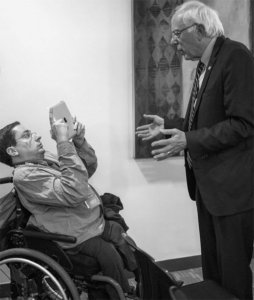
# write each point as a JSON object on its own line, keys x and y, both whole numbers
{"x": 157, "y": 65}
{"x": 252, "y": 24}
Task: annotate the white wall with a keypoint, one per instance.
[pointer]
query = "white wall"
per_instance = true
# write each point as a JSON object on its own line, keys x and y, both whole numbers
{"x": 81, "y": 51}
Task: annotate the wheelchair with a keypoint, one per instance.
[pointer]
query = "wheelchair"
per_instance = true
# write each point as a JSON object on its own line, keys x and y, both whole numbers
{"x": 34, "y": 267}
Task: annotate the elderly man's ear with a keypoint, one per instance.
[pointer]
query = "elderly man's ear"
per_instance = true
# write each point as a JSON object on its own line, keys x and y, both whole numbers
{"x": 12, "y": 151}
{"x": 201, "y": 30}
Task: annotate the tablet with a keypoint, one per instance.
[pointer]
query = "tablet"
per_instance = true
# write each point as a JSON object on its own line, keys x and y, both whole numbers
{"x": 61, "y": 111}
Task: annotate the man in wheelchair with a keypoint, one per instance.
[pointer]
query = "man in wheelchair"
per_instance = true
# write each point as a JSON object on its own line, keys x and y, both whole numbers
{"x": 55, "y": 190}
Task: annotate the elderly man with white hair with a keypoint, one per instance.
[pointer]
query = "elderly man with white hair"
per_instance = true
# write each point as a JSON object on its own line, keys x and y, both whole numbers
{"x": 217, "y": 136}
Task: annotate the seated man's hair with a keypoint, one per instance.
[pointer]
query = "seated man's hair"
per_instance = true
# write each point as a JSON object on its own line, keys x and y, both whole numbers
{"x": 7, "y": 139}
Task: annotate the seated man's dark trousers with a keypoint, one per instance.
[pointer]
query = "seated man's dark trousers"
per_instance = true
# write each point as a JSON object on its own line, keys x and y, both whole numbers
{"x": 110, "y": 251}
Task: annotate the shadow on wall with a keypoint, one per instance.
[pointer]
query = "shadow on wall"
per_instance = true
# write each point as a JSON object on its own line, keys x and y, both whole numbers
{"x": 170, "y": 170}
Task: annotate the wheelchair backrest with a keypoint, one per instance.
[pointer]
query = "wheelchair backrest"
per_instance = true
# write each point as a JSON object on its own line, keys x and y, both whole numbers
{"x": 46, "y": 246}
{"x": 154, "y": 282}
{"x": 7, "y": 214}
{"x": 7, "y": 209}
{"x": 12, "y": 213}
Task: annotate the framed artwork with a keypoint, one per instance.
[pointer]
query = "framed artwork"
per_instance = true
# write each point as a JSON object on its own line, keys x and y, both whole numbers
{"x": 157, "y": 65}
{"x": 252, "y": 25}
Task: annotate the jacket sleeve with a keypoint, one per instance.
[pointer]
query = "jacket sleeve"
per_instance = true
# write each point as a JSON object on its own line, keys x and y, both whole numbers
{"x": 65, "y": 186}
{"x": 88, "y": 157}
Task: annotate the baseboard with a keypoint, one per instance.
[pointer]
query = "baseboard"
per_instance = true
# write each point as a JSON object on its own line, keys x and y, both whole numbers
{"x": 182, "y": 263}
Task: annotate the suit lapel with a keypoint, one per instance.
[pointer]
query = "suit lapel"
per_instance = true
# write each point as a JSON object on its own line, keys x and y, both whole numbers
{"x": 217, "y": 46}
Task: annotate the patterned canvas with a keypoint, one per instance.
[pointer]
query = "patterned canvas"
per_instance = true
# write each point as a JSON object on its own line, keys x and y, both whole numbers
{"x": 157, "y": 65}
{"x": 252, "y": 25}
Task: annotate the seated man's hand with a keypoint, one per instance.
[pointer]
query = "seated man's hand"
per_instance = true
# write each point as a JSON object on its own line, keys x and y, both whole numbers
{"x": 59, "y": 129}
{"x": 79, "y": 137}
{"x": 151, "y": 130}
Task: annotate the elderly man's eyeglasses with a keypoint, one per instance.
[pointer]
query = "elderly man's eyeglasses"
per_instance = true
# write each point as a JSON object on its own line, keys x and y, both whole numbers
{"x": 177, "y": 33}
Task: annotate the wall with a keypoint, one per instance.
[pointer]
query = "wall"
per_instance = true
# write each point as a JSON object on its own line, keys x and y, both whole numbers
{"x": 81, "y": 52}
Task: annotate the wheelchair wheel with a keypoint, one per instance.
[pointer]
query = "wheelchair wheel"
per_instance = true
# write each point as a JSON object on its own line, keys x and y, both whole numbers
{"x": 27, "y": 274}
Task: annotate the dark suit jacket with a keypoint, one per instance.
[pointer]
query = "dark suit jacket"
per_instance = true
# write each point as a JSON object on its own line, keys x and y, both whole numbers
{"x": 221, "y": 142}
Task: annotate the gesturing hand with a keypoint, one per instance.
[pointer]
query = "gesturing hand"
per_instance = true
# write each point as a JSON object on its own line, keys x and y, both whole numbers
{"x": 58, "y": 129}
{"x": 149, "y": 131}
{"x": 79, "y": 137}
{"x": 171, "y": 146}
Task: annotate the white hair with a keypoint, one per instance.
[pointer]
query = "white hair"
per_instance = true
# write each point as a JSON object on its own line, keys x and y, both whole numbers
{"x": 197, "y": 12}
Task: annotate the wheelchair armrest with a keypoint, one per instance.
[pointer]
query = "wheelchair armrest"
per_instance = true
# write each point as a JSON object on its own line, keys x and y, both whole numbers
{"x": 50, "y": 236}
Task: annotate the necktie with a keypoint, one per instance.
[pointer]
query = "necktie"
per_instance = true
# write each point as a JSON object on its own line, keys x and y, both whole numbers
{"x": 194, "y": 95}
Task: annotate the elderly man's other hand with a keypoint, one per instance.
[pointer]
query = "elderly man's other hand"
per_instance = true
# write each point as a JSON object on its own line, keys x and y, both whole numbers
{"x": 171, "y": 146}
{"x": 151, "y": 130}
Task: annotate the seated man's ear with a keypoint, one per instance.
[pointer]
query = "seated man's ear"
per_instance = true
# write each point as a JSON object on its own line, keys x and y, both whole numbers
{"x": 12, "y": 151}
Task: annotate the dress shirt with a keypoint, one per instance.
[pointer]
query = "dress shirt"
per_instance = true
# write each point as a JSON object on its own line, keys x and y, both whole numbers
{"x": 205, "y": 59}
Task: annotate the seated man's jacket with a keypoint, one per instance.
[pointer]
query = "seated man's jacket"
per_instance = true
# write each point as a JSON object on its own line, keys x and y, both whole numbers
{"x": 57, "y": 193}
{"x": 112, "y": 204}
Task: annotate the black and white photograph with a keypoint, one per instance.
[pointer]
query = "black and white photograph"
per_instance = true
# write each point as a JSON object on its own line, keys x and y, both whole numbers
{"x": 127, "y": 149}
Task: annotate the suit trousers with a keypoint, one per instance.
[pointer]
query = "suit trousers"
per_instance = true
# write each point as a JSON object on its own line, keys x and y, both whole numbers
{"x": 227, "y": 248}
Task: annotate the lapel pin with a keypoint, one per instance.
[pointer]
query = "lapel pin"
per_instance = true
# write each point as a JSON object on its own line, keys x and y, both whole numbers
{"x": 209, "y": 68}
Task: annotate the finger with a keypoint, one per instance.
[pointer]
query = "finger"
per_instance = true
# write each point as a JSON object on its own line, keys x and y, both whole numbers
{"x": 76, "y": 126}
{"x": 161, "y": 156}
{"x": 164, "y": 142}
{"x": 143, "y": 127}
{"x": 142, "y": 133}
{"x": 168, "y": 131}
{"x": 51, "y": 117}
{"x": 79, "y": 128}
{"x": 149, "y": 117}
{"x": 147, "y": 138}
{"x": 83, "y": 128}
{"x": 161, "y": 150}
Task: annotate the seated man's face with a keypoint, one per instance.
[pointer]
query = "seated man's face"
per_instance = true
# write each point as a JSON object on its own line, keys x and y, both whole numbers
{"x": 28, "y": 144}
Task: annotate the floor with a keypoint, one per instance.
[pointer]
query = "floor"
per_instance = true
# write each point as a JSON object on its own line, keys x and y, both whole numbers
{"x": 187, "y": 276}
{"x": 195, "y": 275}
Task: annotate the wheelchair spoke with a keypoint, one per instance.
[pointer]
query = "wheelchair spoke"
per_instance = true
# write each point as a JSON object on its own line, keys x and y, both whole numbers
{"x": 33, "y": 278}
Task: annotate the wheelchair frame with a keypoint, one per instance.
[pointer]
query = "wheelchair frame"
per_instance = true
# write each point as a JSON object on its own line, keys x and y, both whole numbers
{"x": 24, "y": 251}
{"x": 47, "y": 274}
